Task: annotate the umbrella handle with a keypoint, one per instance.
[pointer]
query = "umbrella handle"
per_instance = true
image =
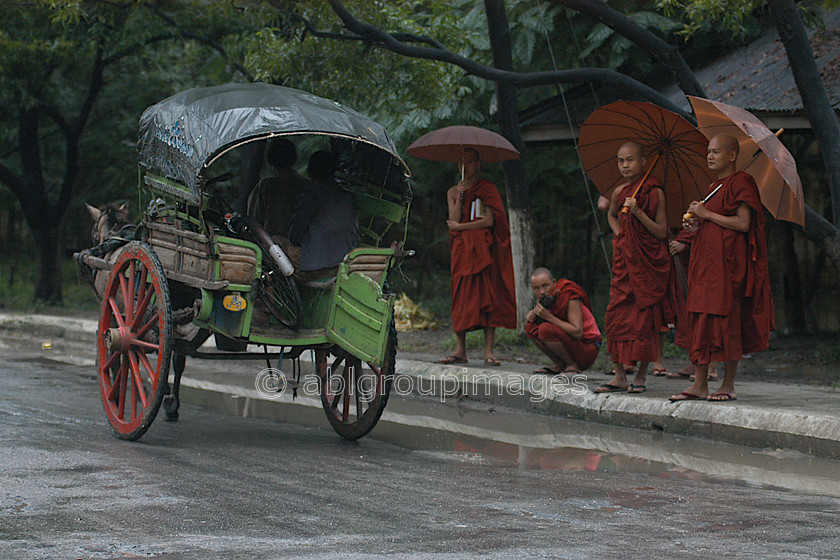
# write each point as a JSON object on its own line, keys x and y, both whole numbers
{"x": 624, "y": 209}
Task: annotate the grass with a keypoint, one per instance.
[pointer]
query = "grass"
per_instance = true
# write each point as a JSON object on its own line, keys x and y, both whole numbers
{"x": 17, "y": 287}
{"x": 827, "y": 353}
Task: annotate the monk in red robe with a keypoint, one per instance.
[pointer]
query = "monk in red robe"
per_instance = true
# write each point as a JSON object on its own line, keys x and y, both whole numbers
{"x": 483, "y": 294}
{"x": 641, "y": 271}
{"x": 562, "y": 324}
{"x": 730, "y": 308}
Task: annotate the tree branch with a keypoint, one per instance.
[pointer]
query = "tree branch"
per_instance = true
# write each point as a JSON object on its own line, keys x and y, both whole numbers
{"x": 666, "y": 53}
{"x": 377, "y": 37}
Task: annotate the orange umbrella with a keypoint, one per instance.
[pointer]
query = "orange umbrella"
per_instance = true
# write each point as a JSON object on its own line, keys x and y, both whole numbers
{"x": 762, "y": 155}
{"x": 674, "y": 148}
{"x": 448, "y": 144}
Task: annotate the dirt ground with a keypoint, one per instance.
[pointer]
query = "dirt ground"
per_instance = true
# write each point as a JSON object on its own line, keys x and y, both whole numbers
{"x": 804, "y": 359}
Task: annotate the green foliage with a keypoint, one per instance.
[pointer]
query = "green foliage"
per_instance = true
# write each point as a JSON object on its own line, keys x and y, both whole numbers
{"x": 17, "y": 283}
{"x": 732, "y": 16}
{"x": 828, "y": 353}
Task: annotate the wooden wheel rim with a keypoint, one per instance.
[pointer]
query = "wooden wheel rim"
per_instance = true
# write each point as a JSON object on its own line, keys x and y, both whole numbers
{"x": 135, "y": 305}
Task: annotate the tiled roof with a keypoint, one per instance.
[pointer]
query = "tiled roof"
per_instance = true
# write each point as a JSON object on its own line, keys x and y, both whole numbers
{"x": 756, "y": 77}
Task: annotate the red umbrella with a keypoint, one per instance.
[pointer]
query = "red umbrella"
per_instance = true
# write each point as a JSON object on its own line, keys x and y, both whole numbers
{"x": 762, "y": 155}
{"x": 675, "y": 150}
{"x": 448, "y": 144}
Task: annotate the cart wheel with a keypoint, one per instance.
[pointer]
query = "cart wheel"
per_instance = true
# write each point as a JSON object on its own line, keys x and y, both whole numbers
{"x": 354, "y": 393}
{"x": 280, "y": 295}
{"x": 134, "y": 342}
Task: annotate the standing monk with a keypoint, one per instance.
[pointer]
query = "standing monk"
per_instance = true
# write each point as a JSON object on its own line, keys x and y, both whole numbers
{"x": 730, "y": 308}
{"x": 482, "y": 267}
{"x": 640, "y": 273}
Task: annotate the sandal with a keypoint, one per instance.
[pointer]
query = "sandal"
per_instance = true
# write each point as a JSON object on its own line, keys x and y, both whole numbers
{"x": 453, "y": 359}
{"x": 607, "y": 388}
{"x": 636, "y": 388}
{"x": 492, "y": 362}
{"x": 661, "y": 372}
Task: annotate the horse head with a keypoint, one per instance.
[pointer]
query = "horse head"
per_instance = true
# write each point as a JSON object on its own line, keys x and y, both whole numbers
{"x": 107, "y": 220}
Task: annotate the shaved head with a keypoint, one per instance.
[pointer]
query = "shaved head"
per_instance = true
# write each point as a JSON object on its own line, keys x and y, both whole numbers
{"x": 727, "y": 142}
{"x": 542, "y": 270}
{"x": 635, "y": 147}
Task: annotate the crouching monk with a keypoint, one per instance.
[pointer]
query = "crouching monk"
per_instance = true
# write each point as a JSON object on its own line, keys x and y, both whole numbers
{"x": 562, "y": 324}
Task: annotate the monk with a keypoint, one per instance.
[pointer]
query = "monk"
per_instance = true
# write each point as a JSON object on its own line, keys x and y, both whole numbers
{"x": 564, "y": 328}
{"x": 729, "y": 305}
{"x": 483, "y": 294}
{"x": 641, "y": 272}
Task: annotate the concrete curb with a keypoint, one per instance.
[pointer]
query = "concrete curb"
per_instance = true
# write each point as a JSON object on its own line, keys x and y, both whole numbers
{"x": 786, "y": 418}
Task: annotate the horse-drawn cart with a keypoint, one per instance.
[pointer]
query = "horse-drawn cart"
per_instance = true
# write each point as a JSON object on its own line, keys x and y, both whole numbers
{"x": 194, "y": 267}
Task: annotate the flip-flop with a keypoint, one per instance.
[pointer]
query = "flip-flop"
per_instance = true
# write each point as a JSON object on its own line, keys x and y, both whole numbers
{"x": 661, "y": 372}
{"x": 726, "y": 397}
{"x": 677, "y": 375}
{"x": 453, "y": 359}
{"x": 607, "y": 388}
{"x": 492, "y": 362}
{"x": 685, "y": 396}
{"x": 633, "y": 388}
{"x": 548, "y": 371}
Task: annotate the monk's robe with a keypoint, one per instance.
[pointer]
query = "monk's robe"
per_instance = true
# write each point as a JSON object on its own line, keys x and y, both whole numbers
{"x": 583, "y": 351}
{"x": 730, "y": 307}
{"x": 482, "y": 266}
{"x": 638, "y": 308}
{"x": 679, "y": 293}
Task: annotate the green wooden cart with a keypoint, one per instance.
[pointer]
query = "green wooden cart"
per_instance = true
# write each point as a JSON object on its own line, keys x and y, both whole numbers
{"x": 195, "y": 268}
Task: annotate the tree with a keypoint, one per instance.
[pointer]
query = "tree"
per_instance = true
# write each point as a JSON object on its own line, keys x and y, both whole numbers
{"x": 55, "y": 65}
{"x": 817, "y": 228}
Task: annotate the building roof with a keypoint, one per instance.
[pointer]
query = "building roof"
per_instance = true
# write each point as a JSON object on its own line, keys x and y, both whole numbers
{"x": 756, "y": 77}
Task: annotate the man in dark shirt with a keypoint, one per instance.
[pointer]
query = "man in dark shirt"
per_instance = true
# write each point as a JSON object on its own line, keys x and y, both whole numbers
{"x": 274, "y": 199}
{"x": 325, "y": 224}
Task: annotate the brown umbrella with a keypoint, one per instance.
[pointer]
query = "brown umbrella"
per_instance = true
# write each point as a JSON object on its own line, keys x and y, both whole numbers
{"x": 762, "y": 155}
{"x": 675, "y": 151}
{"x": 448, "y": 144}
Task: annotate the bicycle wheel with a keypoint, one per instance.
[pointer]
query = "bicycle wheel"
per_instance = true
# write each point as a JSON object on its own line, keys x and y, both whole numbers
{"x": 280, "y": 293}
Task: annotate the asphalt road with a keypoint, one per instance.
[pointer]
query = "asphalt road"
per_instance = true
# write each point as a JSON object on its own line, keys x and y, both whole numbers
{"x": 215, "y": 486}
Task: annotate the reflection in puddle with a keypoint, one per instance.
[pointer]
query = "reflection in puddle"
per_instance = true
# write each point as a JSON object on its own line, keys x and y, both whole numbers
{"x": 494, "y": 438}
{"x": 533, "y": 442}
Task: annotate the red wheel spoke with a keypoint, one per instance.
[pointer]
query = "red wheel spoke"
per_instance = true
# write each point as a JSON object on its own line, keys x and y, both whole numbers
{"x": 141, "y": 309}
{"x": 145, "y": 328}
{"x": 129, "y": 300}
{"x": 345, "y": 414}
{"x": 110, "y": 362}
{"x": 153, "y": 375}
{"x": 137, "y": 386}
{"x": 146, "y": 345}
{"x": 124, "y": 292}
{"x": 116, "y": 311}
{"x": 142, "y": 288}
{"x": 123, "y": 377}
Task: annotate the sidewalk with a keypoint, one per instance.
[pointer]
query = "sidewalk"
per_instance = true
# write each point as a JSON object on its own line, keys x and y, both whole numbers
{"x": 800, "y": 417}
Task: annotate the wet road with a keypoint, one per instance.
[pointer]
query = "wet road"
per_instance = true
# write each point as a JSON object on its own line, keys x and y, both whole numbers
{"x": 218, "y": 486}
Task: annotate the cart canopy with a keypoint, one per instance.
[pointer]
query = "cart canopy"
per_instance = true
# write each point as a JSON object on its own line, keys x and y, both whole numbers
{"x": 182, "y": 135}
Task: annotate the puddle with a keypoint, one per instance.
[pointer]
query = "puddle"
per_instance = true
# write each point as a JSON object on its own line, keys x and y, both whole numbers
{"x": 501, "y": 439}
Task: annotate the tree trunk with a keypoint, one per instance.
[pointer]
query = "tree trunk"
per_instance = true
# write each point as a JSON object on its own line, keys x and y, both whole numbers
{"x": 795, "y": 320}
{"x": 516, "y": 182}
{"x": 48, "y": 279}
{"x": 824, "y": 234}
{"x": 824, "y": 121}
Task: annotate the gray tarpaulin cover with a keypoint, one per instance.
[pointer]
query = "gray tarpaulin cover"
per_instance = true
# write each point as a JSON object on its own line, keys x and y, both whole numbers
{"x": 182, "y": 133}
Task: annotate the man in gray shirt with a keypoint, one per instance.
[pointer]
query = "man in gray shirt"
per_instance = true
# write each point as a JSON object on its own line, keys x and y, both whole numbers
{"x": 325, "y": 224}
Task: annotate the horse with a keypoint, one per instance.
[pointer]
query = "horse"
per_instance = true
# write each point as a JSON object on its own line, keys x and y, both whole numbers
{"x": 109, "y": 221}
